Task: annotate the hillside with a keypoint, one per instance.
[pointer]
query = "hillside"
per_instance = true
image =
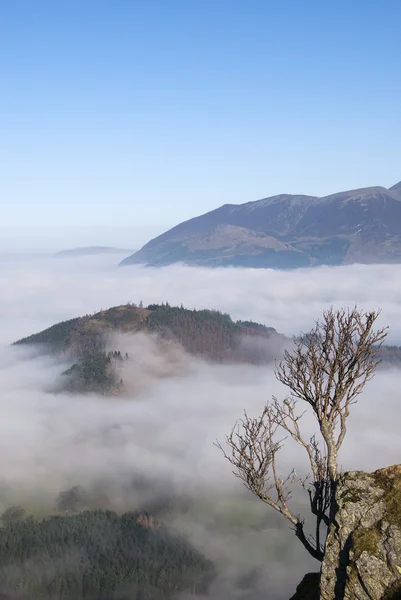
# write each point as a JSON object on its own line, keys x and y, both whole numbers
{"x": 209, "y": 334}
{"x": 98, "y": 363}
{"x": 287, "y": 231}
{"x": 98, "y": 555}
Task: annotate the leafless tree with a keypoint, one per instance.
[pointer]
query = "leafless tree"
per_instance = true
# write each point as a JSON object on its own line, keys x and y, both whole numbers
{"x": 328, "y": 369}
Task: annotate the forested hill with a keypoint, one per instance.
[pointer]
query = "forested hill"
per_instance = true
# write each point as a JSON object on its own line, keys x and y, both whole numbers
{"x": 208, "y": 333}
{"x": 97, "y": 555}
{"x": 100, "y": 365}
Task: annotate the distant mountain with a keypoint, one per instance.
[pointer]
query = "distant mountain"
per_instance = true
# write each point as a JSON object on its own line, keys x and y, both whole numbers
{"x": 89, "y": 251}
{"x": 287, "y": 231}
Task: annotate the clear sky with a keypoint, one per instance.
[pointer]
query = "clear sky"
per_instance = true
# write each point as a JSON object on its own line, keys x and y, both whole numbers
{"x": 133, "y": 115}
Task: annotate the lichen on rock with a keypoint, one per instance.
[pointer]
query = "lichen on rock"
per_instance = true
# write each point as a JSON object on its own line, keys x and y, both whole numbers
{"x": 362, "y": 559}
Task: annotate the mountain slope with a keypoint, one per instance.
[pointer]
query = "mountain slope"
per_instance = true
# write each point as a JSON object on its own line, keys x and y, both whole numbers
{"x": 207, "y": 333}
{"x": 99, "y": 365}
{"x": 286, "y": 231}
{"x": 99, "y": 362}
{"x": 99, "y": 555}
{"x": 396, "y": 187}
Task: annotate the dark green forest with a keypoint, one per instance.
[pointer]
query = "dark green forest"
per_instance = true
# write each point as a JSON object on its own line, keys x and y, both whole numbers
{"x": 209, "y": 334}
{"x": 56, "y": 336}
{"x": 97, "y": 555}
{"x": 97, "y": 373}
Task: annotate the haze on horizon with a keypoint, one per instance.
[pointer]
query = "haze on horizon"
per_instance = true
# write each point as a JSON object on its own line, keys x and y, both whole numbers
{"x": 119, "y": 121}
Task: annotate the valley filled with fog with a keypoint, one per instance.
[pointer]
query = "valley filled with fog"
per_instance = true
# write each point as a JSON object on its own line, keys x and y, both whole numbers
{"x": 164, "y": 434}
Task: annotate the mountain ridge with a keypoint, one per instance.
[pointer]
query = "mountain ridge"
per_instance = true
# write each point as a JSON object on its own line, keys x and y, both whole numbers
{"x": 397, "y": 186}
{"x": 88, "y": 251}
{"x": 286, "y": 231}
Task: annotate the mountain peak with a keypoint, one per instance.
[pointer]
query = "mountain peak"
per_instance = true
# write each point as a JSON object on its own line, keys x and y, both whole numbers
{"x": 287, "y": 231}
{"x": 290, "y": 199}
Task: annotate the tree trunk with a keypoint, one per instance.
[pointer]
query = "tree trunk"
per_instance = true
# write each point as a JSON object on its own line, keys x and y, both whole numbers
{"x": 332, "y": 462}
{"x": 300, "y": 534}
{"x": 332, "y": 452}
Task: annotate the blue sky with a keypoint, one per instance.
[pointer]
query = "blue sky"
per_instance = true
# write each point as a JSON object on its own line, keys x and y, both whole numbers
{"x": 121, "y": 118}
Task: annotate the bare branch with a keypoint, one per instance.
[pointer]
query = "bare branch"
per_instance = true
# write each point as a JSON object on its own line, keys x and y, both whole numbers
{"x": 253, "y": 451}
{"x": 328, "y": 370}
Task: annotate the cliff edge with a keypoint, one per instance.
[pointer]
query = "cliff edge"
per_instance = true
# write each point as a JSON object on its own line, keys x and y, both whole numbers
{"x": 362, "y": 559}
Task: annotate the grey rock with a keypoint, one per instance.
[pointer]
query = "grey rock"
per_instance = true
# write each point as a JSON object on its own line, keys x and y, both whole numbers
{"x": 362, "y": 559}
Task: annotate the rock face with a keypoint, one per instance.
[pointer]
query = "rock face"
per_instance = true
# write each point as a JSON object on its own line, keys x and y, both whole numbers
{"x": 363, "y": 549}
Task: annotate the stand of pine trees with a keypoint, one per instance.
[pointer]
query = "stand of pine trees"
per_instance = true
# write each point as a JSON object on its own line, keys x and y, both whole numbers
{"x": 97, "y": 555}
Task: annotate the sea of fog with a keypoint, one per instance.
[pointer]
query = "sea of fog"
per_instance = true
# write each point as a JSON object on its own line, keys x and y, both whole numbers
{"x": 166, "y": 430}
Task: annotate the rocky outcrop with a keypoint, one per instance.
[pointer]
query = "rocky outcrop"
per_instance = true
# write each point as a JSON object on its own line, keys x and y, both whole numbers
{"x": 308, "y": 589}
{"x": 363, "y": 549}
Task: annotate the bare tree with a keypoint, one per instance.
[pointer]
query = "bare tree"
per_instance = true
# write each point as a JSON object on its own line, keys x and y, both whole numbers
{"x": 328, "y": 369}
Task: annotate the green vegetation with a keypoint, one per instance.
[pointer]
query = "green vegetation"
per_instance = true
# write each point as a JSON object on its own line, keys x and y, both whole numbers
{"x": 256, "y": 326}
{"x": 14, "y": 513}
{"x": 211, "y": 334}
{"x": 389, "y": 480}
{"x": 72, "y": 500}
{"x": 84, "y": 335}
{"x": 98, "y": 555}
{"x": 97, "y": 373}
{"x": 391, "y": 355}
{"x": 366, "y": 540}
{"x": 207, "y": 333}
{"x": 57, "y": 336}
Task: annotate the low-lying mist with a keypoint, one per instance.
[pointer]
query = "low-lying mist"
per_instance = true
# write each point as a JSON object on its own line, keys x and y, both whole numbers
{"x": 36, "y": 293}
{"x": 157, "y": 441}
